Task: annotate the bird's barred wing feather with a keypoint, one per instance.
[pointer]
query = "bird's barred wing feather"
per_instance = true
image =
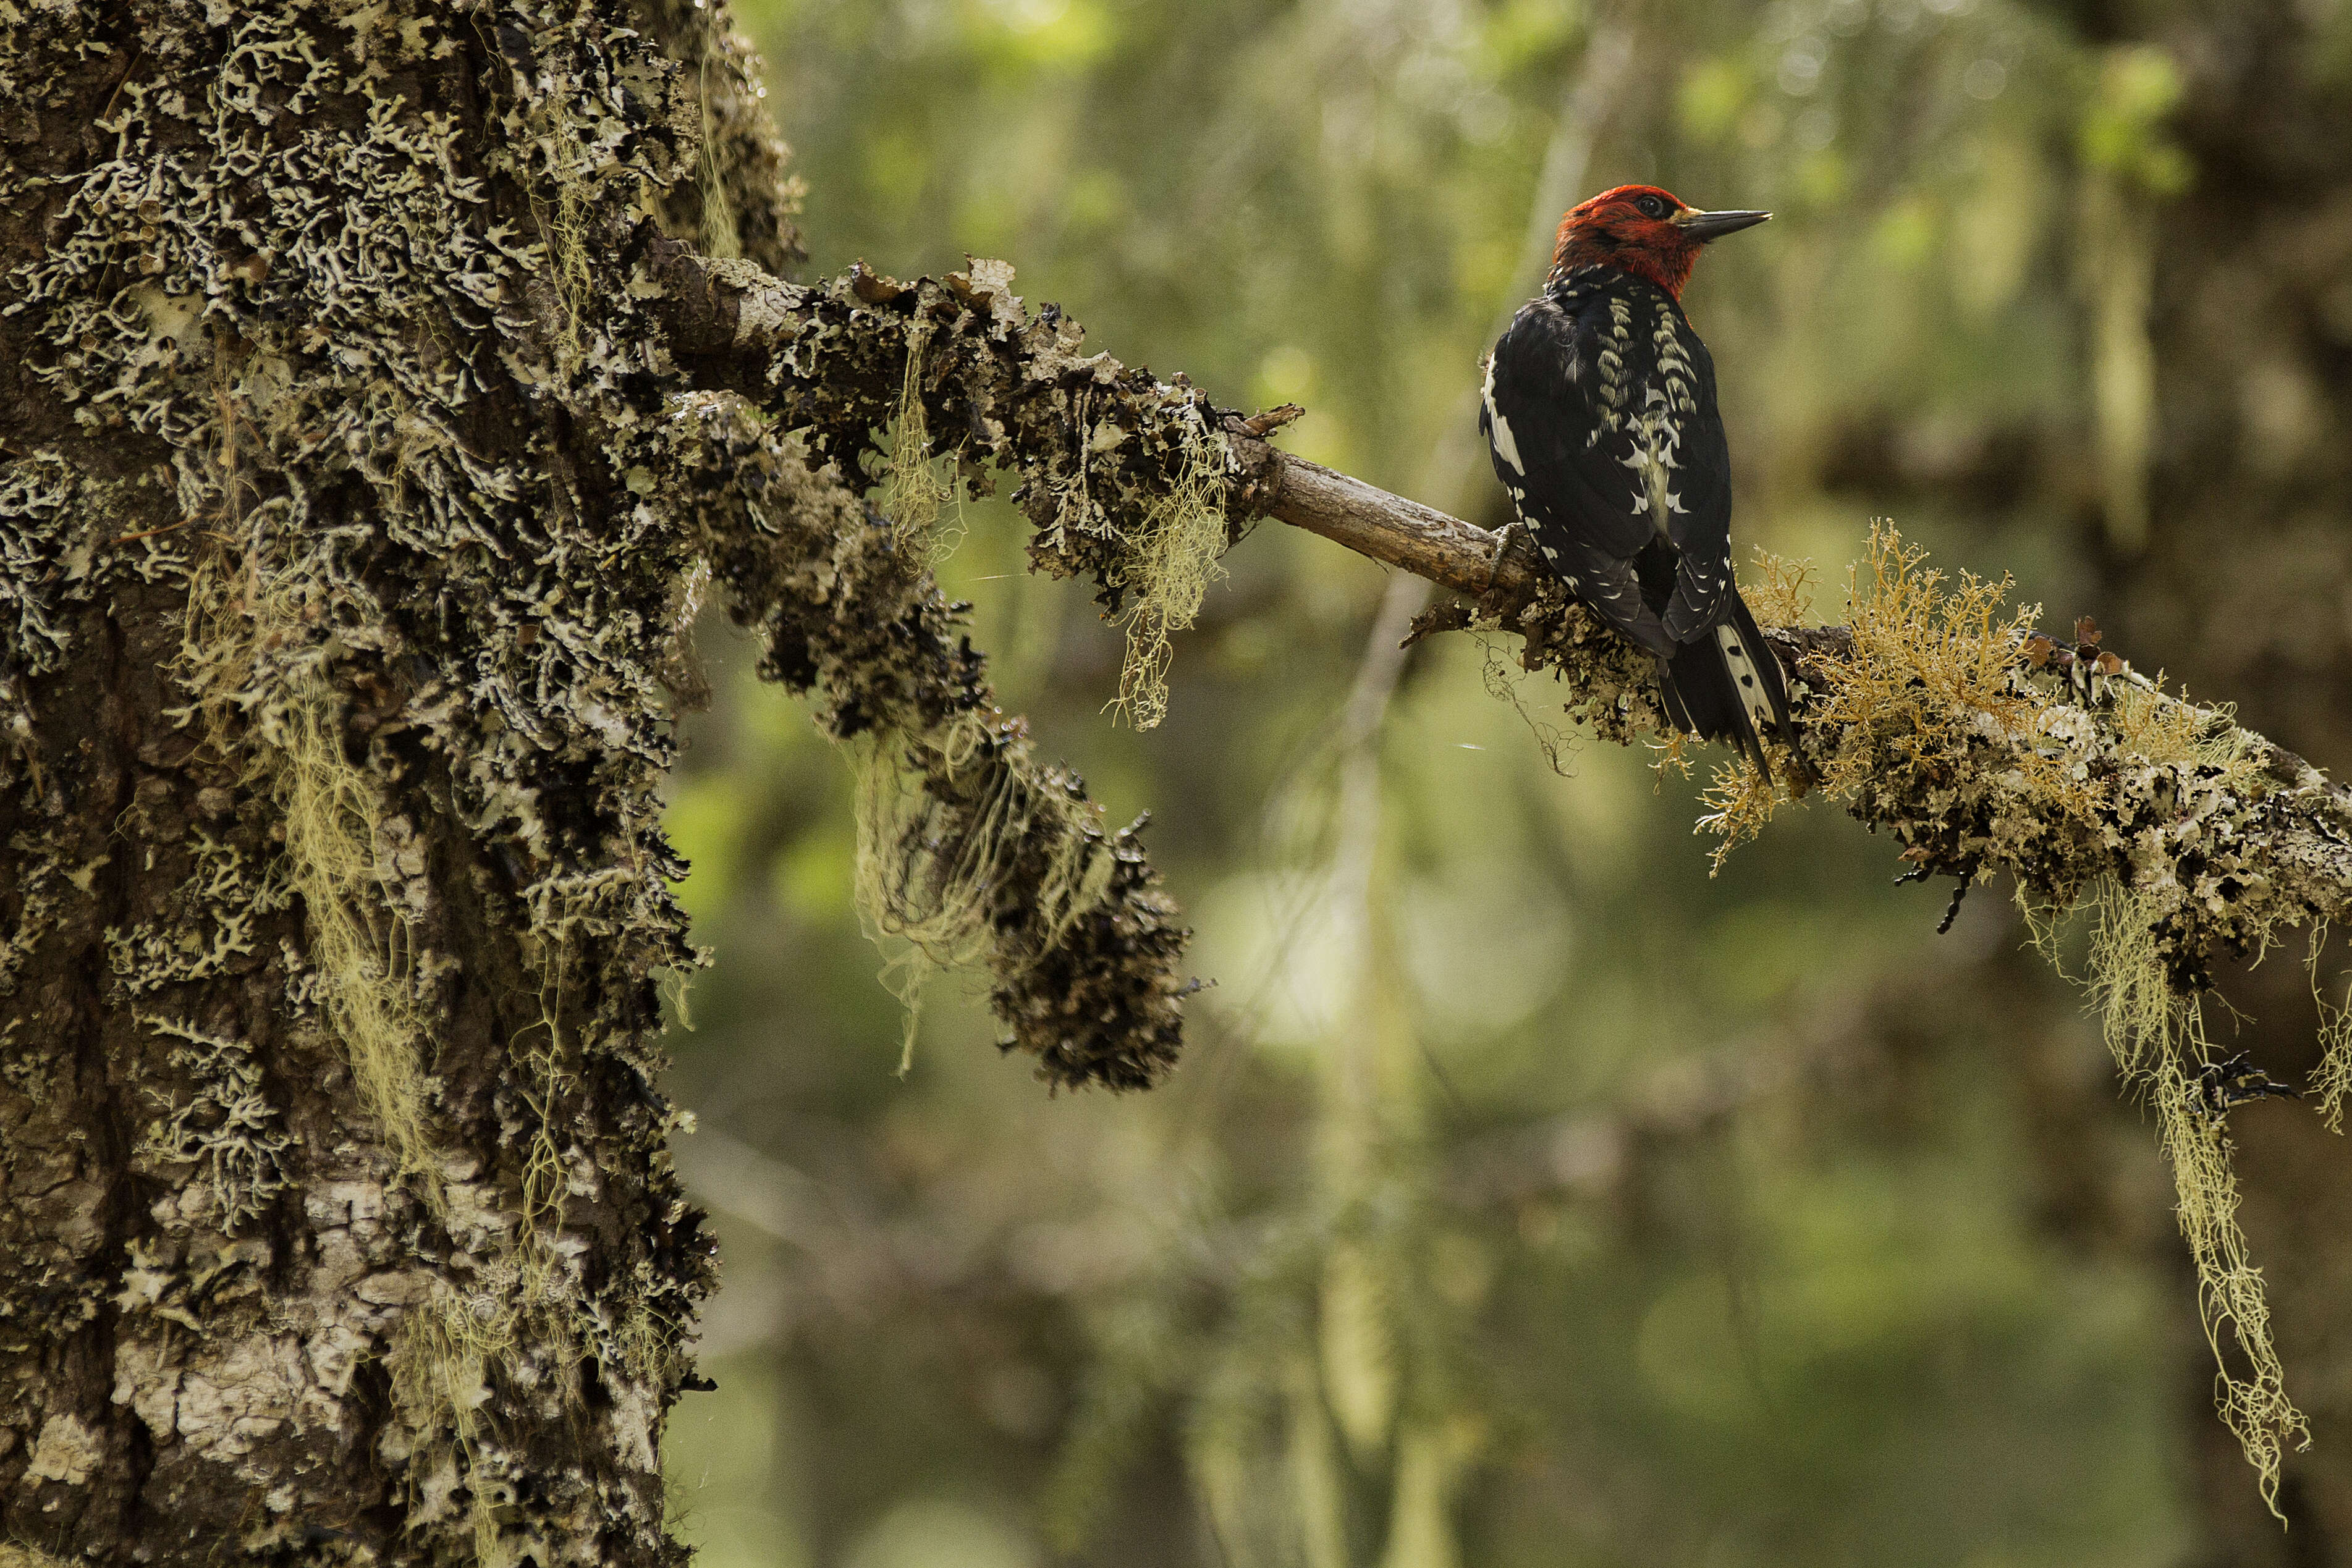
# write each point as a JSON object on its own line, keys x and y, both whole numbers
{"x": 1699, "y": 521}
{"x": 1600, "y": 411}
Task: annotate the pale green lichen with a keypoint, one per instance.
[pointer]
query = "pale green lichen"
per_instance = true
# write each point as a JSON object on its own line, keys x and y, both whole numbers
{"x": 933, "y": 863}
{"x": 226, "y": 1129}
{"x": 1171, "y": 563}
{"x": 721, "y": 238}
{"x": 267, "y": 702}
{"x": 742, "y": 202}
{"x": 2158, "y": 1040}
{"x": 2331, "y": 1080}
{"x": 912, "y": 491}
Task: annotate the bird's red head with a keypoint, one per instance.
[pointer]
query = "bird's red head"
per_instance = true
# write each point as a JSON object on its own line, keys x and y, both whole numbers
{"x": 1645, "y": 231}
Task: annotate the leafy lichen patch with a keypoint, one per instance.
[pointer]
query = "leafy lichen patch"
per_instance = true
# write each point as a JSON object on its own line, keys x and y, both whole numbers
{"x": 1124, "y": 476}
{"x": 226, "y": 1129}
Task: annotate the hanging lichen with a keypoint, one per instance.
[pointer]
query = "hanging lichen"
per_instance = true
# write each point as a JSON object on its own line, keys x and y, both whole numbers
{"x": 263, "y": 697}
{"x": 1169, "y": 566}
{"x": 442, "y": 1365}
{"x": 720, "y": 237}
{"x": 912, "y": 491}
{"x": 943, "y": 825}
{"x": 2331, "y": 1080}
{"x": 970, "y": 850}
{"x": 2158, "y": 1040}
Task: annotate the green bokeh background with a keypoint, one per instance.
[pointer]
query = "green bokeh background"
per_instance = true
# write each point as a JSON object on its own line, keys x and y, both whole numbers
{"x": 1528, "y": 1195}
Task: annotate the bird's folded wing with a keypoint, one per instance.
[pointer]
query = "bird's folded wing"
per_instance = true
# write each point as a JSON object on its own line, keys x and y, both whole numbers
{"x": 1563, "y": 455}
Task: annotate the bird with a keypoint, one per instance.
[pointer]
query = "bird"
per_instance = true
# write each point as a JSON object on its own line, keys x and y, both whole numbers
{"x": 1599, "y": 409}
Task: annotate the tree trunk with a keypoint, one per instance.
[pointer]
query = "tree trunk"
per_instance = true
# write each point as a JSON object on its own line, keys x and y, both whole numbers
{"x": 336, "y": 1221}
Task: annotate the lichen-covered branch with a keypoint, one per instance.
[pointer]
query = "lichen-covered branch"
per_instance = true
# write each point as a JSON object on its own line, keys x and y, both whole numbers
{"x": 2173, "y": 797}
{"x": 970, "y": 850}
{"x": 2228, "y": 853}
{"x": 1094, "y": 446}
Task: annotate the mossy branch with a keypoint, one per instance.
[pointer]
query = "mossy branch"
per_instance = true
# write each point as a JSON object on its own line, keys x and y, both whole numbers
{"x": 2231, "y": 854}
{"x": 972, "y": 849}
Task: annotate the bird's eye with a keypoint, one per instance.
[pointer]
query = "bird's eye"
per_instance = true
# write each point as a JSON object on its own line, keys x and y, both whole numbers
{"x": 1652, "y": 207}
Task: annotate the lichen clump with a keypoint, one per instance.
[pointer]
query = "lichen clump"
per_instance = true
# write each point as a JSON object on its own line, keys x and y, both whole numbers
{"x": 1126, "y": 479}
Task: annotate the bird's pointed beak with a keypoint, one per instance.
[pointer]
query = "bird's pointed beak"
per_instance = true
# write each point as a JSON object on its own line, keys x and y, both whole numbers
{"x": 1705, "y": 226}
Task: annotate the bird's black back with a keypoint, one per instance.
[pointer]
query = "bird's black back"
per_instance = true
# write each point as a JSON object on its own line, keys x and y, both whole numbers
{"x": 1601, "y": 415}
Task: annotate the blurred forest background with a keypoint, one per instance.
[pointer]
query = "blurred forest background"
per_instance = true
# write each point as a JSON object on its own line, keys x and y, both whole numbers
{"x": 1527, "y": 1197}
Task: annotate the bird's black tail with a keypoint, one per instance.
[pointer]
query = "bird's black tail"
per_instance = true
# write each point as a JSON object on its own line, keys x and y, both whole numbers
{"x": 1726, "y": 684}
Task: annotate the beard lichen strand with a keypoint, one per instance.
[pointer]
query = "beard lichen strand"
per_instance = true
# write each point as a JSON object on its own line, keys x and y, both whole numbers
{"x": 2158, "y": 1038}
{"x": 262, "y": 696}
{"x": 742, "y": 202}
{"x": 2331, "y": 1080}
{"x": 912, "y": 491}
{"x": 1170, "y": 562}
{"x": 449, "y": 1346}
{"x": 720, "y": 237}
{"x": 943, "y": 820}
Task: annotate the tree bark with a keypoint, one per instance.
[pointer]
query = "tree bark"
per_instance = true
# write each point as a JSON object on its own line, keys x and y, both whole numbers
{"x": 338, "y": 1221}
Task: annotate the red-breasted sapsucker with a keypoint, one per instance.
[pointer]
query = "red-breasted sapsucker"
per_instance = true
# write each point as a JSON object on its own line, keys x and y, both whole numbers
{"x": 1599, "y": 409}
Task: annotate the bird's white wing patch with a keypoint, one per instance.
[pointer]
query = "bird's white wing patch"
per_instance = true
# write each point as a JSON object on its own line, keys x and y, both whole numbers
{"x": 1506, "y": 445}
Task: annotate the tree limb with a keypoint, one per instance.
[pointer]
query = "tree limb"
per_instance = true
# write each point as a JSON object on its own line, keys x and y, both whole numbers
{"x": 2221, "y": 855}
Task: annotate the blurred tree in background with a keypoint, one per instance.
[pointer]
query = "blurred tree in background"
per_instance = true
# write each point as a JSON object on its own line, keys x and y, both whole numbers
{"x": 1529, "y": 1197}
